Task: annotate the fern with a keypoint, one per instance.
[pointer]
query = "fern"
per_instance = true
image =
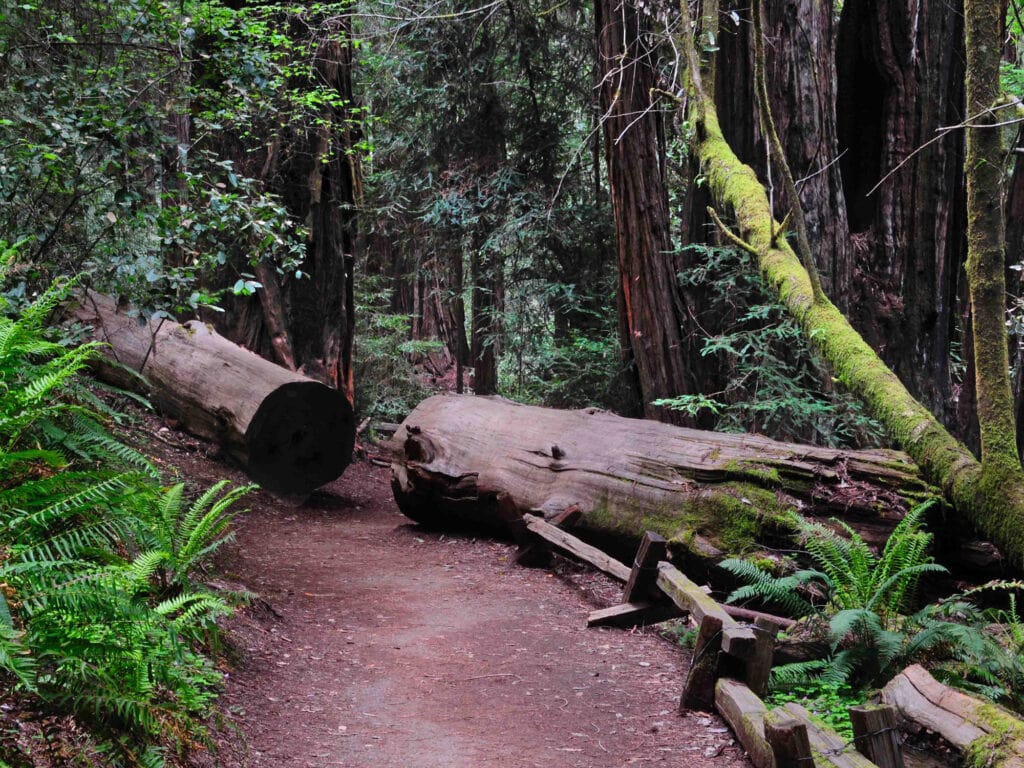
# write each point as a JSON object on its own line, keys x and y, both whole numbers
{"x": 91, "y": 627}
{"x": 781, "y": 592}
{"x": 786, "y": 675}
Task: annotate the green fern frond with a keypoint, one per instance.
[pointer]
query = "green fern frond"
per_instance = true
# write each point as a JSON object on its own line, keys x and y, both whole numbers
{"x": 840, "y": 668}
{"x": 890, "y": 592}
{"x": 187, "y": 611}
{"x": 142, "y": 569}
{"x": 781, "y": 592}
{"x": 796, "y": 673}
{"x": 15, "y": 658}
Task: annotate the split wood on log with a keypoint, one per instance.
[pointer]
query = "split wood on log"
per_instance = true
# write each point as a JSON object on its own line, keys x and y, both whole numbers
{"x": 292, "y": 434}
{"x": 457, "y": 454}
{"x": 985, "y": 732}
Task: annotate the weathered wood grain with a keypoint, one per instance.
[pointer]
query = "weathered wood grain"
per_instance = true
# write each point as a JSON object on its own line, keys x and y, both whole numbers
{"x": 964, "y": 721}
{"x": 292, "y": 434}
{"x": 627, "y": 476}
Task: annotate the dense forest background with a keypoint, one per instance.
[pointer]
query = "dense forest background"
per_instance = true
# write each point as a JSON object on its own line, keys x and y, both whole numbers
{"x": 507, "y": 191}
{"x": 558, "y": 202}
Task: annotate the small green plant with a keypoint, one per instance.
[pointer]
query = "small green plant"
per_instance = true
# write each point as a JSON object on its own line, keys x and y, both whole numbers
{"x": 387, "y": 387}
{"x": 680, "y": 633}
{"x": 826, "y": 702}
{"x": 849, "y": 576}
{"x": 862, "y": 595}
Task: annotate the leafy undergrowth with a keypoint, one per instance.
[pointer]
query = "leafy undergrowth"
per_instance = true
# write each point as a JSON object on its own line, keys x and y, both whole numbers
{"x": 105, "y": 628}
{"x": 826, "y": 703}
{"x": 865, "y": 604}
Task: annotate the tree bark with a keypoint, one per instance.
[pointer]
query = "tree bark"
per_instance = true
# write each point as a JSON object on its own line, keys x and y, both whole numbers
{"x": 994, "y": 503}
{"x": 651, "y": 306}
{"x": 290, "y": 433}
{"x": 308, "y": 161}
{"x": 989, "y": 735}
{"x": 900, "y": 78}
{"x": 482, "y": 461}
{"x": 801, "y": 79}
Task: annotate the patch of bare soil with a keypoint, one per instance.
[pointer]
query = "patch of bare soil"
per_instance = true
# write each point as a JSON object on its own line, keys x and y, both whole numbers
{"x": 377, "y": 644}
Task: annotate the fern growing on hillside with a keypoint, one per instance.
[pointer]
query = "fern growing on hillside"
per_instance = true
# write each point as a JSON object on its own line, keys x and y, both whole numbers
{"x": 98, "y": 613}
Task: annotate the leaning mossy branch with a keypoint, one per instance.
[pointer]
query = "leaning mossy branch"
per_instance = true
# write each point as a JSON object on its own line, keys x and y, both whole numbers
{"x": 778, "y": 156}
{"x": 994, "y": 501}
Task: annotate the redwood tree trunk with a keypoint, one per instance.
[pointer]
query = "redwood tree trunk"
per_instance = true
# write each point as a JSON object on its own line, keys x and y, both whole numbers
{"x": 308, "y": 323}
{"x": 290, "y": 433}
{"x": 800, "y": 73}
{"x": 901, "y": 74}
{"x": 652, "y": 310}
{"x": 460, "y": 458}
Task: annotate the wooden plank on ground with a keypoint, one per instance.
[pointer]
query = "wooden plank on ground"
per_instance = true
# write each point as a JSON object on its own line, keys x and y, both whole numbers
{"x": 744, "y": 712}
{"x": 576, "y": 547}
{"x": 738, "y": 641}
{"x": 632, "y": 614}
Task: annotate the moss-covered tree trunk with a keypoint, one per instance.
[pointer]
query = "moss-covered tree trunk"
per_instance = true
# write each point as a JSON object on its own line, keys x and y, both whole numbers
{"x": 993, "y": 500}
{"x": 986, "y": 277}
{"x": 480, "y": 462}
{"x": 801, "y": 78}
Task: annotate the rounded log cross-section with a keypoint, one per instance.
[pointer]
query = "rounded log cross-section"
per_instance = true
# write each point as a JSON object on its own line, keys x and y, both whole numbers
{"x": 290, "y": 433}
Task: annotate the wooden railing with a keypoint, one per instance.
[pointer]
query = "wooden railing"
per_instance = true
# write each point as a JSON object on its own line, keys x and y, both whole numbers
{"x": 732, "y": 661}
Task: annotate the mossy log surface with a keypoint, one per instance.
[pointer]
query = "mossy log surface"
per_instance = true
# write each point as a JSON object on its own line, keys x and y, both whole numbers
{"x": 474, "y": 461}
{"x": 290, "y": 433}
{"x": 988, "y": 735}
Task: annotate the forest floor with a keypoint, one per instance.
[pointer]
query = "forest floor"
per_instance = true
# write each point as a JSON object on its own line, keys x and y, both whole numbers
{"x": 377, "y": 644}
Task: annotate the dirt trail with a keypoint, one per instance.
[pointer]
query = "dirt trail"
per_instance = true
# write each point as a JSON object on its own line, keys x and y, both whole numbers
{"x": 393, "y": 647}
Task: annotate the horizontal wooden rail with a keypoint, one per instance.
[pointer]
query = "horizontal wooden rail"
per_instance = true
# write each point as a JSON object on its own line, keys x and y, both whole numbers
{"x": 738, "y": 640}
{"x": 574, "y": 546}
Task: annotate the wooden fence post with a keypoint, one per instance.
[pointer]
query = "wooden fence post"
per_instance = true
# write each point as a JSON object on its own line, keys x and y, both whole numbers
{"x": 874, "y": 735}
{"x": 699, "y": 690}
{"x": 759, "y": 666}
{"x": 642, "y": 578}
{"x": 789, "y": 742}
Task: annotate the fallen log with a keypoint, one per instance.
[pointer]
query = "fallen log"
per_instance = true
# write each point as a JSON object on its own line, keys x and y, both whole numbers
{"x": 987, "y": 734}
{"x": 290, "y": 433}
{"x": 706, "y": 492}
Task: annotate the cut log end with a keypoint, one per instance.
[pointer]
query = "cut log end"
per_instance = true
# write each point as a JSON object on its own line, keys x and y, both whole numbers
{"x": 301, "y": 437}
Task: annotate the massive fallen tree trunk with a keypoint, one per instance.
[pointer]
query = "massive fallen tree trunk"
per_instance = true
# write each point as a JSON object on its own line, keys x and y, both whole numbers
{"x": 292, "y": 434}
{"x": 483, "y": 461}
